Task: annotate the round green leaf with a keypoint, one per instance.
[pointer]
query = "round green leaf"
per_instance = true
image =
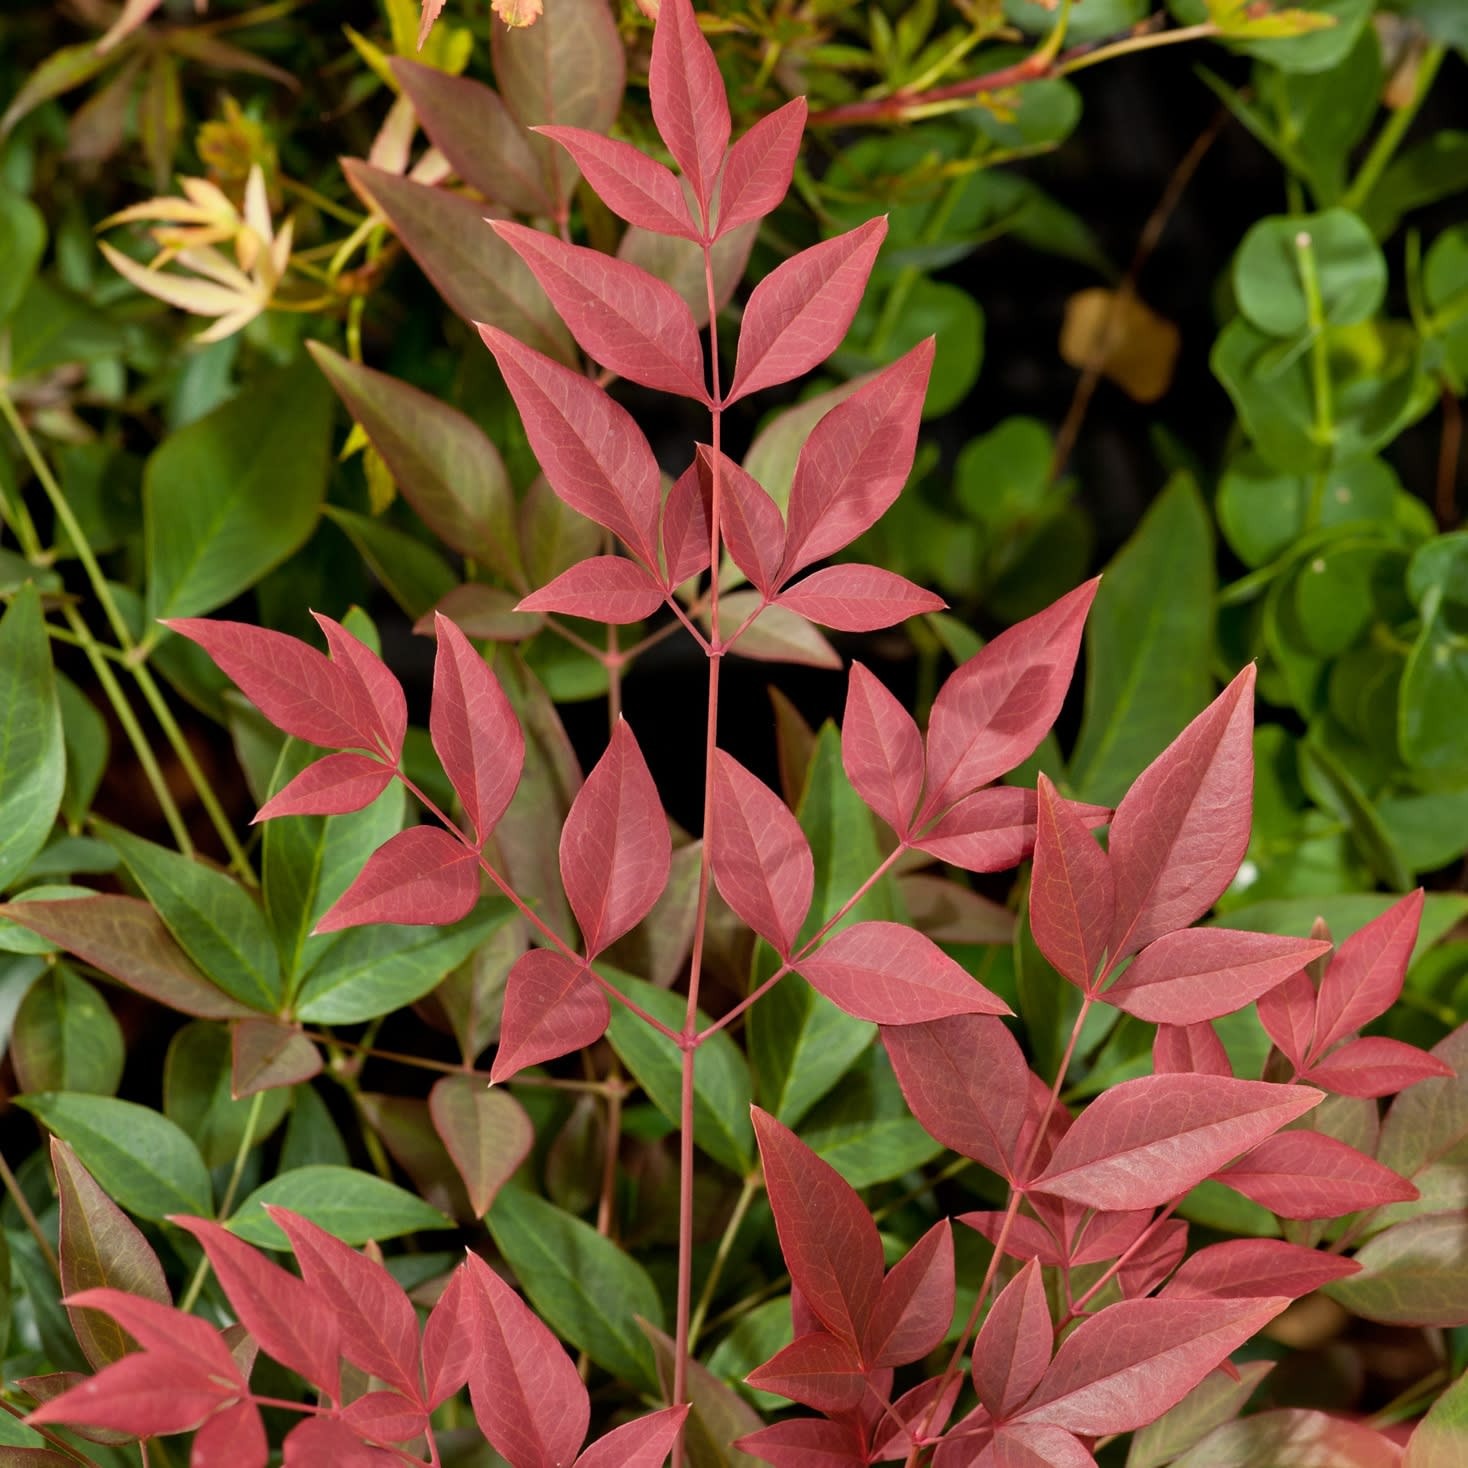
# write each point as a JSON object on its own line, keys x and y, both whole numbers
{"x": 1270, "y": 271}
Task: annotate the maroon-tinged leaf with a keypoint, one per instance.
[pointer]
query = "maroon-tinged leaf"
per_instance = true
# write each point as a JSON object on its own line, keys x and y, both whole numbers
{"x": 689, "y": 104}
{"x": 855, "y": 598}
{"x": 235, "y": 1436}
{"x": 1127, "y": 1365}
{"x": 145, "y": 1394}
{"x": 1375, "y": 1066}
{"x": 914, "y": 1307}
{"x": 685, "y": 531}
{"x": 777, "y": 635}
{"x": 631, "y": 322}
{"x": 994, "y": 829}
{"x": 1189, "y": 1050}
{"x": 486, "y": 1132}
{"x": 1105, "y": 1237}
{"x": 881, "y": 750}
{"x": 967, "y": 1083}
{"x": 826, "y": 1233}
{"x": 798, "y": 314}
{"x": 761, "y": 859}
{"x": 385, "y": 1417}
{"x": 1242, "y": 1269}
{"x": 1147, "y": 1141}
{"x": 817, "y": 1370}
{"x": 856, "y": 461}
{"x": 1072, "y": 894}
{"x": 603, "y": 589}
{"x": 1027, "y": 1238}
{"x": 680, "y": 263}
{"x": 993, "y": 711}
{"x": 632, "y": 185}
{"x": 752, "y": 526}
{"x": 376, "y": 685}
{"x": 421, "y": 875}
{"x": 1154, "y": 1259}
{"x": 1287, "y": 1013}
{"x": 588, "y": 447}
{"x": 320, "y": 1440}
{"x": 1012, "y": 1349}
{"x": 264, "y": 1055}
{"x": 1034, "y": 1445}
{"x": 1365, "y": 976}
{"x": 450, "y": 1344}
{"x": 644, "y": 1443}
{"x": 807, "y": 1442}
{"x": 286, "y": 1316}
{"x": 1217, "y": 1399}
{"x": 915, "y": 1410}
{"x": 759, "y": 167}
{"x": 528, "y": 1400}
{"x": 552, "y": 1007}
{"x": 616, "y": 851}
{"x": 163, "y": 1330}
{"x": 484, "y": 612}
{"x": 1199, "y": 974}
{"x": 888, "y": 973}
{"x": 1411, "y": 1273}
{"x": 1180, "y": 832}
{"x": 332, "y": 786}
{"x": 1295, "y": 1436}
{"x": 1306, "y": 1174}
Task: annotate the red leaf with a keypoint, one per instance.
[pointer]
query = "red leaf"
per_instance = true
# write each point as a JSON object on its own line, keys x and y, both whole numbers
{"x": 632, "y": 185}
{"x": 1012, "y": 1349}
{"x": 640, "y": 1444}
{"x": 475, "y": 732}
{"x": 1147, "y": 1141}
{"x": 797, "y": 315}
{"x": 377, "y": 686}
{"x": 915, "y": 1412}
{"x": 321, "y": 1440}
{"x": 528, "y": 1400}
{"x": 761, "y": 859}
{"x": 855, "y": 598}
{"x": 856, "y": 461}
{"x": 603, "y": 589}
{"x": 1034, "y": 1445}
{"x": 1201, "y": 973}
{"x": 1179, "y": 834}
{"x": 827, "y": 1235}
{"x": 1287, "y": 1013}
{"x": 145, "y": 1394}
{"x": 994, "y": 829}
{"x": 486, "y": 1132}
{"x": 750, "y": 520}
{"x": 776, "y": 635}
{"x": 689, "y": 104}
{"x": 914, "y": 1307}
{"x": 161, "y": 1328}
{"x": 891, "y": 974}
{"x": 1250, "y": 1268}
{"x": 881, "y": 750}
{"x": 379, "y": 1330}
{"x": 967, "y": 1083}
{"x": 1305, "y": 1174}
{"x": 615, "y": 847}
{"x": 450, "y": 1344}
{"x": 297, "y": 688}
{"x": 686, "y": 528}
{"x": 1027, "y": 1238}
{"x": 331, "y": 787}
{"x": 993, "y": 712}
{"x": 1072, "y": 894}
{"x": 588, "y": 447}
{"x": 807, "y": 1442}
{"x": 235, "y": 1436}
{"x": 631, "y": 322}
{"x": 1365, "y": 976}
{"x": 1154, "y": 1259}
{"x": 285, "y": 1315}
{"x": 1127, "y": 1365}
{"x": 1375, "y": 1066}
{"x": 1189, "y": 1050}
{"x": 421, "y": 875}
{"x": 759, "y": 167}
{"x": 385, "y": 1417}
{"x": 817, "y": 1370}
{"x": 552, "y": 1007}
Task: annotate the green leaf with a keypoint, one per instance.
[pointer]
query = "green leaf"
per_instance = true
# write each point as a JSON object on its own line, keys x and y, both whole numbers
{"x": 1310, "y": 50}
{"x": 1149, "y": 645}
{"x": 721, "y": 1090}
{"x": 1440, "y": 1440}
{"x": 32, "y": 750}
{"x": 1425, "y": 1138}
{"x": 1336, "y": 790}
{"x": 1415, "y": 1273}
{"x": 1269, "y": 271}
{"x": 586, "y": 1289}
{"x": 22, "y": 243}
{"x": 415, "y": 575}
{"x": 141, "y": 1159}
{"x": 718, "y": 1415}
{"x": 196, "y": 1095}
{"x": 1436, "y": 168}
{"x": 355, "y": 1206}
{"x": 1344, "y": 914}
{"x": 754, "y": 1337}
{"x": 312, "y": 1137}
{"x": 1215, "y": 1400}
{"x": 87, "y": 748}
{"x": 66, "y": 1038}
{"x": 1092, "y": 21}
{"x": 1433, "y": 709}
{"x": 235, "y": 492}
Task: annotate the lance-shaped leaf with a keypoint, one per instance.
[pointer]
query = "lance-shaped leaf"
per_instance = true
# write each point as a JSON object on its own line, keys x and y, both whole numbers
{"x": 1413, "y": 1273}
{"x": 644, "y": 1443}
{"x": 588, "y": 447}
{"x": 1072, "y": 894}
{"x": 329, "y": 1440}
{"x": 1189, "y": 1050}
{"x": 798, "y": 314}
{"x": 333, "y": 786}
{"x": 1179, "y": 834}
{"x": 1147, "y": 1141}
{"x": 689, "y": 104}
{"x": 486, "y": 1132}
{"x": 888, "y": 973}
{"x": 1287, "y": 1013}
{"x": 1198, "y": 974}
{"x": 777, "y": 635}
{"x": 881, "y": 750}
{"x": 1012, "y": 1349}
{"x": 421, "y": 875}
{"x": 761, "y": 859}
{"x": 815, "y": 1369}
{"x": 385, "y": 1417}
{"x": 234, "y": 1435}
{"x": 914, "y": 1307}
{"x": 1127, "y": 1365}
{"x": 856, "y": 461}
{"x": 752, "y": 526}
{"x": 1365, "y": 976}
{"x": 143, "y": 1395}
{"x": 1439, "y": 1439}
{"x": 994, "y": 829}
{"x": 616, "y": 851}
{"x": 858, "y": 598}
{"x": 759, "y": 167}
{"x": 826, "y": 1233}
{"x": 450, "y": 1345}
{"x": 993, "y": 711}
{"x": 375, "y": 682}
{"x": 602, "y": 589}
{"x": 807, "y": 1442}
{"x": 1034, "y": 1445}
{"x": 632, "y": 185}
{"x": 1306, "y": 1174}
{"x": 552, "y": 1007}
{"x": 631, "y": 322}
{"x": 685, "y": 528}
{"x": 1375, "y": 1066}
{"x": 1245, "y": 1269}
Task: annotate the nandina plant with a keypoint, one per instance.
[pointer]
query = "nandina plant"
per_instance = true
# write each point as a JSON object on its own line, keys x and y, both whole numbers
{"x": 1091, "y": 1319}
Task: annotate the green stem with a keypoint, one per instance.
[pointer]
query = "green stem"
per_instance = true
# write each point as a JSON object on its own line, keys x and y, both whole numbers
{"x": 1319, "y": 351}
{"x": 1389, "y": 139}
{"x": 721, "y": 1258}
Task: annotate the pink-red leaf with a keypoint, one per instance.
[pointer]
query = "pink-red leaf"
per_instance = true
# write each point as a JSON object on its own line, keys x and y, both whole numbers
{"x": 914, "y": 1307}
{"x": 686, "y": 527}
{"x": 1287, "y": 1013}
{"x": 235, "y": 1436}
{"x": 881, "y": 750}
{"x": 1375, "y": 1066}
{"x": 891, "y": 974}
{"x": 1189, "y": 1050}
{"x": 1306, "y": 1174}
{"x": 994, "y": 829}
{"x": 641, "y": 1444}
{"x": 798, "y": 314}
{"x": 1365, "y": 976}
{"x": 161, "y": 1328}
{"x": 758, "y": 169}
{"x": 485, "y": 1131}
{"x": 1012, "y": 1349}
{"x": 603, "y": 589}
{"x": 450, "y": 1342}
{"x": 752, "y": 526}
{"x": 1072, "y": 894}
{"x": 552, "y": 1007}
{"x": 376, "y": 685}
{"x": 421, "y": 875}
{"x": 807, "y": 1442}
{"x": 632, "y": 185}
{"x": 689, "y": 104}
{"x": 1026, "y": 1238}
{"x": 1147, "y": 1141}
{"x": 1034, "y": 1445}
{"x": 922, "y": 1409}
{"x": 856, "y": 598}
{"x": 145, "y": 1394}
{"x": 1243, "y": 1269}
{"x": 385, "y": 1417}
{"x": 320, "y": 1440}
{"x": 829, "y": 1240}
{"x": 761, "y": 859}
{"x": 817, "y": 1370}
{"x": 332, "y": 786}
